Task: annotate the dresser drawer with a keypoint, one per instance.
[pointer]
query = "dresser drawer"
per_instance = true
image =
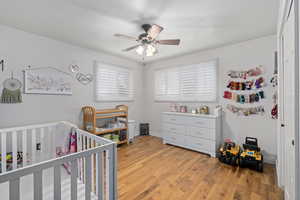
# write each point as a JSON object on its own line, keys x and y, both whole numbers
{"x": 205, "y": 133}
{"x": 173, "y": 128}
{"x": 174, "y": 138}
{"x": 174, "y": 119}
{"x": 202, "y": 122}
{"x": 200, "y": 144}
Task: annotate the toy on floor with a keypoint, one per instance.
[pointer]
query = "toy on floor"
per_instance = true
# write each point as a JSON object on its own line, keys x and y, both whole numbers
{"x": 251, "y": 156}
{"x": 229, "y": 152}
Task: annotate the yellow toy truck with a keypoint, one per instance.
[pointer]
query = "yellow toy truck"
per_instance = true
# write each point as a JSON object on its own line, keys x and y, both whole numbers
{"x": 229, "y": 152}
{"x": 251, "y": 156}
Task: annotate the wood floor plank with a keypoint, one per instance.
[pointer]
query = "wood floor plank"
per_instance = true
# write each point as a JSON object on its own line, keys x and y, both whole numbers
{"x": 150, "y": 170}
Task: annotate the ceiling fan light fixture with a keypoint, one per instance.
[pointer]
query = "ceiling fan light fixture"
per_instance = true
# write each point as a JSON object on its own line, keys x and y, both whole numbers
{"x": 151, "y": 50}
{"x": 140, "y": 50}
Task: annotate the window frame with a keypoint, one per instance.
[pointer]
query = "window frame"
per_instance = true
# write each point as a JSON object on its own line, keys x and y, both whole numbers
{"x": 216, "y": 60}
{"x": 131, "y": 82}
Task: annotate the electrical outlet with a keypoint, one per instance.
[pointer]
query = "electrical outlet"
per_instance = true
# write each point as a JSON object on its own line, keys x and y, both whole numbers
{"x": 38, "y": 146}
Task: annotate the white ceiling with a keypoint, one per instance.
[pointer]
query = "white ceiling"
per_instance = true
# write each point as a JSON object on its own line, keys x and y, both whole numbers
{"x": 200, "y": 24}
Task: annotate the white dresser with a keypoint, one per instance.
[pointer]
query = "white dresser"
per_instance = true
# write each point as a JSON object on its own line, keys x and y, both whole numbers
{"x": 192, "y": 131}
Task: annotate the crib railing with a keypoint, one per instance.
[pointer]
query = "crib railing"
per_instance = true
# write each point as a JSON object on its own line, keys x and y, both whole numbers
{"x": 94, "y": 163}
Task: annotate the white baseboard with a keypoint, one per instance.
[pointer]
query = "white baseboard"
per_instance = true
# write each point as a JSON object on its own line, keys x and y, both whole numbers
{"x": 155, "y": 133}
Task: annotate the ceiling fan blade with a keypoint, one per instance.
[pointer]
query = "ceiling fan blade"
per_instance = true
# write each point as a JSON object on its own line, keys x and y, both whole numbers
{"x": 169, "y": 42}
{"x": 154, "y": 31}
{"x": 131, "y": 48}
{"x": 125, "y": 37}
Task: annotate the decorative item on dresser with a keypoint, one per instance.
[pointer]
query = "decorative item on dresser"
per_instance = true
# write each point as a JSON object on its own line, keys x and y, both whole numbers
{"x": 118, "y": 115}
{"x": 192, "y": 131}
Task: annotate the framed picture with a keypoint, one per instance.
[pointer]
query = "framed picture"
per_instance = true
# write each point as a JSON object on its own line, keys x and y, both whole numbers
{"x": 47, "y": 80}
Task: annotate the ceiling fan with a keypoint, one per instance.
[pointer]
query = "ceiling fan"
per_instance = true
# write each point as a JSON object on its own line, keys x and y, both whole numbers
{"x": 147, "y": 41}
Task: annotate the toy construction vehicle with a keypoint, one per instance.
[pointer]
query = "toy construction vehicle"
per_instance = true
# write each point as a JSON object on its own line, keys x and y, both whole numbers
{"x": 229, "y": 152}
{"x": 251, "y": 156}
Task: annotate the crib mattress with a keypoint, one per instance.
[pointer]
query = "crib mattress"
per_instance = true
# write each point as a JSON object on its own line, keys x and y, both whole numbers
{"x": 26, "y": 187}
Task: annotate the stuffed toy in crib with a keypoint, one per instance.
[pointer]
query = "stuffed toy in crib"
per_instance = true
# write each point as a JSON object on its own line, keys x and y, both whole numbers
{"x": 9, "y": 160}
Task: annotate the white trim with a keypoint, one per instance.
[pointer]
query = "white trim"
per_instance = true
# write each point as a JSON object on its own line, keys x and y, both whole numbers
{"x": 284, "y": 11}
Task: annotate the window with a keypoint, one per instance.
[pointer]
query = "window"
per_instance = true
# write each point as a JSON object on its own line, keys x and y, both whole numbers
{"x": 196, "y": 82}
{"x": 113, "y": 83}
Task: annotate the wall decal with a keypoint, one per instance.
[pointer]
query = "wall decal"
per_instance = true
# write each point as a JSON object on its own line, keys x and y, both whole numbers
{"x": 74, "y": 68}
{"x": 80, "y": 77}
{"x": 84, "y": 78}
{"x": 47, "y": 80}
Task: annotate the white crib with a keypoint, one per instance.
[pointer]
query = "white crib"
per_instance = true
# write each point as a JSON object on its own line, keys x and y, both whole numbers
{"x": 40, "y": 175}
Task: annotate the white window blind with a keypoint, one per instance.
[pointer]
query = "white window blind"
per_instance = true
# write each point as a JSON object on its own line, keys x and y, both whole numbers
{"x": 196, "y": 82}
{"x": 113, "y": 83}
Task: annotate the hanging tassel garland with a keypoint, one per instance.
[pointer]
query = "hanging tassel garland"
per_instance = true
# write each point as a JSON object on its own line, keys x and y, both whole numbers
{"x": 9, "y": 96}
{"x": 11, "y": 92}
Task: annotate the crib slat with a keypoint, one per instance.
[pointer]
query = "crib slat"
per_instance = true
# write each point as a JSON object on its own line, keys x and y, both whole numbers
{"x": 33, "y": 147}
{"x": 24, "y": 147}
{"x": 99, "y": 171}
{"x": 43, "y": 143}
{"x": 106, "y": 174}
{"x": 74, "y": 170}
{"x": 57, "y": 183}
{"x": 14, "y": 150}
{"x": 82, "y": 160}
{"x": 93, "y": 169}
{"x": 112, "y": 173}
{"x": 88, "y": 178}
{"x": 78, "y": 150}
{"x": 14, "y": 189}
{"x": 38, "y": 185}
{"x": 50, "y": 145}
{"x": 3, "y": 151}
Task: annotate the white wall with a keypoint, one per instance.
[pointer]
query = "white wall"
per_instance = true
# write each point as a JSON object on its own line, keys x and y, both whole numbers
{"x": 240, "y": 56}
{"x": 20, "y": 49}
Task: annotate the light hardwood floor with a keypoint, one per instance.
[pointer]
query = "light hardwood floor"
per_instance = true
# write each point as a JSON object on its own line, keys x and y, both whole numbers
{"x": 150, "y": 170}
